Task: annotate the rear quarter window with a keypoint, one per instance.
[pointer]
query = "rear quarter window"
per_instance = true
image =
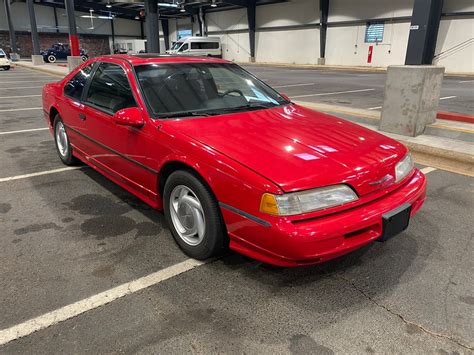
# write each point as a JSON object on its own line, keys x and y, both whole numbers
{"x": 75, "y": 86}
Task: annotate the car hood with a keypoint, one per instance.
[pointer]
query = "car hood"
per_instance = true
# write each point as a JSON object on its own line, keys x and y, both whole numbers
{"x": 297, "y": 148}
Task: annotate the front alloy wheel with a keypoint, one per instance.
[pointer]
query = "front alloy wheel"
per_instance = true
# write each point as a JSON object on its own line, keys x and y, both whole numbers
{"x": 193, "y": 215}
{"x": 187, "y": 215}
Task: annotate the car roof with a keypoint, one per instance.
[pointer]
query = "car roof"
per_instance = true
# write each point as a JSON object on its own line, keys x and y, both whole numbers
{"x": 138, "y": 59}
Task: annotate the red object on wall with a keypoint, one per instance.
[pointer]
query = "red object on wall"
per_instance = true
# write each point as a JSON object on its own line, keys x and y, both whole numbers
{"x": 74, "y": 43}
{"x": 369, "y": 55}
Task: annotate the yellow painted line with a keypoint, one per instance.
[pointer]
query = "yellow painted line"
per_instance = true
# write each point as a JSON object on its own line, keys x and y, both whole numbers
{"x": 457, "y": 129}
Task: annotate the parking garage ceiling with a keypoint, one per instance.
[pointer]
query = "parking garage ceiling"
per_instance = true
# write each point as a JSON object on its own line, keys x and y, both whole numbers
{"x": 135, "y": 9}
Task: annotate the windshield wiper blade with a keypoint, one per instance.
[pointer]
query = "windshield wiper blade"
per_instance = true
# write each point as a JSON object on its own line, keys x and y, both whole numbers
{"x": 184, "y": 114}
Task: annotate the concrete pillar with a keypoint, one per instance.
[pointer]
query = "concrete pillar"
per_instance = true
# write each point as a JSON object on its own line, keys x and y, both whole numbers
{"x": 36, "y": 58}
{"x": 411, "y": 98}
{"x": 14, "y": 56}
{"x": 74, "y": 59}
{"x": 151, "y": 24}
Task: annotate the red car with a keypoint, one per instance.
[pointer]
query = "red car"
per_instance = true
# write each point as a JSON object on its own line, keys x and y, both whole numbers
{"x": 230, "y": 161}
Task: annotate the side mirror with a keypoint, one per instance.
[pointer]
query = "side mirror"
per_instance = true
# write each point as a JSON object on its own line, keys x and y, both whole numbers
{"x": 131, "y": 116}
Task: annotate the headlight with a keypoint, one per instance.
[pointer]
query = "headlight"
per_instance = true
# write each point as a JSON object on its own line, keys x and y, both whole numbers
{"x": 403, "y": 168}
{"x": 306, "y": 201}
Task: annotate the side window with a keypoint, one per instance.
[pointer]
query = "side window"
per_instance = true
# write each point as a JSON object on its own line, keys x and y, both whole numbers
{"x": 75, "y": 86}
{"x": 195, "y": 45}
{"x": 109, "y": 89}
{"x": 184, "y": 47}
{"x": 209, "y": 45}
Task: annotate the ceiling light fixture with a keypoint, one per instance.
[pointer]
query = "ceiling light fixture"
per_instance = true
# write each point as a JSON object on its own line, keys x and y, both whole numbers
{"x": 213, "y": 3}
{"x": 108, "y": 5}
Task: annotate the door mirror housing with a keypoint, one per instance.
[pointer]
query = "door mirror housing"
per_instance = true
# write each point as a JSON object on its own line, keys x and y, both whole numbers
{"x": 131, "y": 116}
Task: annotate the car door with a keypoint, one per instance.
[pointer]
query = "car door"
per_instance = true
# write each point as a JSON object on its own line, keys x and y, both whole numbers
{"x": 123, "y": 151}
{"x": 71, "y": 108}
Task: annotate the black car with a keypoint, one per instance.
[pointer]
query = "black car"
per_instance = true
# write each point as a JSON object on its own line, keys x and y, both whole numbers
{"x": 60, "y": 51}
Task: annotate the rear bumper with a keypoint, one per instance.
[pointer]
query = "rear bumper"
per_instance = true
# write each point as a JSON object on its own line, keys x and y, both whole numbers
{"x": 312, "y": 241}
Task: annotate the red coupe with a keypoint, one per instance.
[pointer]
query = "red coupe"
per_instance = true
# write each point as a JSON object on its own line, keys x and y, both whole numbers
{"x": 230, "y": 161}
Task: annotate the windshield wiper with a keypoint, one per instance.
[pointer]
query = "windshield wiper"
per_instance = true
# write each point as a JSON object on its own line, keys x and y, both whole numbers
{"x": 248, "y": 106}
{"x": 183, "y": 114}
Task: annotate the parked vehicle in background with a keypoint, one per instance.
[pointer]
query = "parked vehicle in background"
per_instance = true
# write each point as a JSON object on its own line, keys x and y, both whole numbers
{"x": 201, "y": 46}
{"x": 60, "y": 51}
{"x": 4, "y": 61}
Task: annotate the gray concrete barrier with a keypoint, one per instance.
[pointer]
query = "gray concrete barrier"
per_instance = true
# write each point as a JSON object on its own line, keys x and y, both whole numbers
{"x": 411, "y": 98}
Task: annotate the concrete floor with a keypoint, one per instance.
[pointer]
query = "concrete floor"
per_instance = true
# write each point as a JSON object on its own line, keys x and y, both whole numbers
{"x": 355, "y": 89}
{"x": 69, "y": 235}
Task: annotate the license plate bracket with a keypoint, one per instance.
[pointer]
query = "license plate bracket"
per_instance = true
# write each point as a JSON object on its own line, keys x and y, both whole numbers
{"x": 395, "y": 221}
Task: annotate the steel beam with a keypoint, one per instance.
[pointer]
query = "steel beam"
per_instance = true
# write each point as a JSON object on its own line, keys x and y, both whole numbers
{"x": 151, "y": 24}
{"x": 11, "y": 28}
{"x": 423, "y": 31}
{"x": 166, "y": 32}
{"x": 34, "y": 28}
{"x": 323, "y": 27}
{"x": 251, "y": 17}
{"x": 71, "y": 20}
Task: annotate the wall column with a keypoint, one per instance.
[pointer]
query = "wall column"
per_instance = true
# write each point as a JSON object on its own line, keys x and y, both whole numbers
{"x": 423, "y": 31}
{"x": 323, "y": 27}
{"x": 251, "y": 17}
{"x": 74, "y": 59}
{"x": 151, "y": 25}
{"x": 14, "y": 56}
{"x": 166, "y": 32}
{"x": 36, "y": 58}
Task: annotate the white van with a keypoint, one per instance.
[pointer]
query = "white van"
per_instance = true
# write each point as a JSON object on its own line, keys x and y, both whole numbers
{"x": 202, "y": 46}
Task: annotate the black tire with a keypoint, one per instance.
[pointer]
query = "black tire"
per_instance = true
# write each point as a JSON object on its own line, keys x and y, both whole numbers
{"x": 215, "y": 237}
{"x": 6, "y": 68}
{"x": 51, "y": 58}
{"x": 68, "y": 158}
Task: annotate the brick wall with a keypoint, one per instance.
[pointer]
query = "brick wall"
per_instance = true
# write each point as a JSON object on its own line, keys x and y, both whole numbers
{"x": 94, "y": 44}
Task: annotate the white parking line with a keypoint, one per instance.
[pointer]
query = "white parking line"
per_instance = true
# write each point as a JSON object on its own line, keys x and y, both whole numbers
{"x": 466, "y": 81}
{"x": 24, "y": 130}
{"x": 40, "y": 173}
{"x": 17, "y": 97}
{"x": 447, "y": 97}
{"x": 95, "y": 301}
{"x": 292, "y": 85}
{"x": 332, "y": 93}
{"x": 427, "y": 170}
{"x": 21, "y": 109}
{"x": 375, "y": 108}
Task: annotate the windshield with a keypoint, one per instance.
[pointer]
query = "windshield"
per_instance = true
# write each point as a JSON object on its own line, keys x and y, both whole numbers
{"x": 176, "y": 45}
{"x": 202, "y": 89}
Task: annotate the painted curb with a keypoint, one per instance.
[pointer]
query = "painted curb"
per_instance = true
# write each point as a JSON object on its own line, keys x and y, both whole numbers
{"x": 42, "y": 69}
{"x": 454, "y": 116}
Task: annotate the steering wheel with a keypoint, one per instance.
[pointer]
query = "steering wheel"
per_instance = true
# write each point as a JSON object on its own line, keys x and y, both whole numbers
{"x": 231, "y": 91}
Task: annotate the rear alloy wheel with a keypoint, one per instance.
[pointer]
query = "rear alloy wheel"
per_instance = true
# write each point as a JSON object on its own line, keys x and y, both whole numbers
{"x": 51, "y": 58}
{"x": 193, "y": 215}
{"x": 84, "y": 58}
{"x": 62, "y": 142}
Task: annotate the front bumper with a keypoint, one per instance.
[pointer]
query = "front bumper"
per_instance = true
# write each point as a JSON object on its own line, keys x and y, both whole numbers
{"x": 316, "y": 240}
